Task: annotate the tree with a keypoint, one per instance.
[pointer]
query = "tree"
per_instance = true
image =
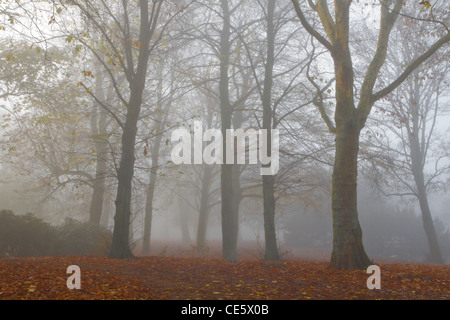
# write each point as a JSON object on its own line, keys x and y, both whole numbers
{"x": 100, "y": 121}
{"x": 128, "y": 47}
{"x": 43, "y": 105}
{"x": 352, "y": 110}
{"x": 404, "y": 143}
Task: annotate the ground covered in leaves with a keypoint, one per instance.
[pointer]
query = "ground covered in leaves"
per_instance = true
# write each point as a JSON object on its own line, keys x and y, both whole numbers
{"x": 173, "y": 278}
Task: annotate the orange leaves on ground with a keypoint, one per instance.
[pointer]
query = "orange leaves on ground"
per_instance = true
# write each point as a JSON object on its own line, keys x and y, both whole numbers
{"x": 205, "y": 278}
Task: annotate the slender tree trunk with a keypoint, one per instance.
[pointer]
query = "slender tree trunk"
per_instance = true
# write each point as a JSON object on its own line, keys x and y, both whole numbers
{"x": 96, "y": 208}
{"x": 153, "y": 172}
{"x": 271, "y": 248}
{"x": 149, "y": 207}
{"x": 184, "y": 221}
{"x": 99, "y": 133}
{"x": 151, "y": 193}
{"x": 417, "y": 165}
{"x": 120, "y": 247}
{"x": 120, "y": 244}
{"x": 204, "y": 208}
{"x": 430, "y": 231}
{"x": 101, "y": 145}
{"x": 107, "y": 208}
{"x": 229, "y": 221}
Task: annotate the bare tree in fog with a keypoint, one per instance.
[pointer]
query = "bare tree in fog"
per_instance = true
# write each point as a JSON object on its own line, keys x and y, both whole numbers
{"x": 353, "y": 110}
{"x": 407, "y": 156}
{"x": 128, "y": 45}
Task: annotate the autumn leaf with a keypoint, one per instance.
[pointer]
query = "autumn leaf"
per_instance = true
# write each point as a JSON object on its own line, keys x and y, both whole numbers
{"x": 426, "y": 4}
{"x": 171, "y": 278}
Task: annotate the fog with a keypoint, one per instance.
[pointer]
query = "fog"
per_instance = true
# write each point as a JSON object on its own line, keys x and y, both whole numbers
{"x": 92, "y": 100}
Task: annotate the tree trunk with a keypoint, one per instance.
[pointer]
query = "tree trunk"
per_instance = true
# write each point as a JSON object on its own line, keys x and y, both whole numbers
{"x": 149, "y": 208}
{"x": 184, "y": 220}
{"x": 120, "y": 243}
{"x": 96, "y": 208}
{"x": 271, "y": 248}
{"x": 120, "y": 247}
{"x": 348, "y": 251}
{"x": 430, "y": 231}
{"x": 204, "y": 208}
{"x": 99, "y": 132}
{"x": 229, "y": 221}
{"x": 101, "y": 145}
{"x": 417, "y": 167}
{"x": 151, "y": 193}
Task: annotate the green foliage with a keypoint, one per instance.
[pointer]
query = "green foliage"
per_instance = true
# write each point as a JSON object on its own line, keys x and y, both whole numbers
{"x": 28, "y": 236}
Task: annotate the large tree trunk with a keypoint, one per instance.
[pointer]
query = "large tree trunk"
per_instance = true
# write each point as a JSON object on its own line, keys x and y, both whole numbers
{"x": 348, "y": 251}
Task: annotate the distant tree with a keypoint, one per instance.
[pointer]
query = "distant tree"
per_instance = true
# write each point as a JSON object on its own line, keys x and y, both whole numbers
{"x": 407, "y": 156}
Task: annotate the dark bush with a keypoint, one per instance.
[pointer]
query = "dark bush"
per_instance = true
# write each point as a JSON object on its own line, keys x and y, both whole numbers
{"x": 28, "y": 236}
{"x": 82, "y": 239}
{"x": 25, "y": 236}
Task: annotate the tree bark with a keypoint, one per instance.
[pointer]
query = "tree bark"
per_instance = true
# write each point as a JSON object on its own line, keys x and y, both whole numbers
{"x": 348, "y": 251}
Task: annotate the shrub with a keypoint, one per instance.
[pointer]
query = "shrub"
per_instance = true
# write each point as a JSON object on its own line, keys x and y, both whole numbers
{"x": 28, "y": 236}
{"x": 25, "y": 236}
{"x": 82, "y": 239}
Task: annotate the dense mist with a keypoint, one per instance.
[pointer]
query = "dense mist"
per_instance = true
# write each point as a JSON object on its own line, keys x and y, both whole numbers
{"x": 266, "y": 130}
